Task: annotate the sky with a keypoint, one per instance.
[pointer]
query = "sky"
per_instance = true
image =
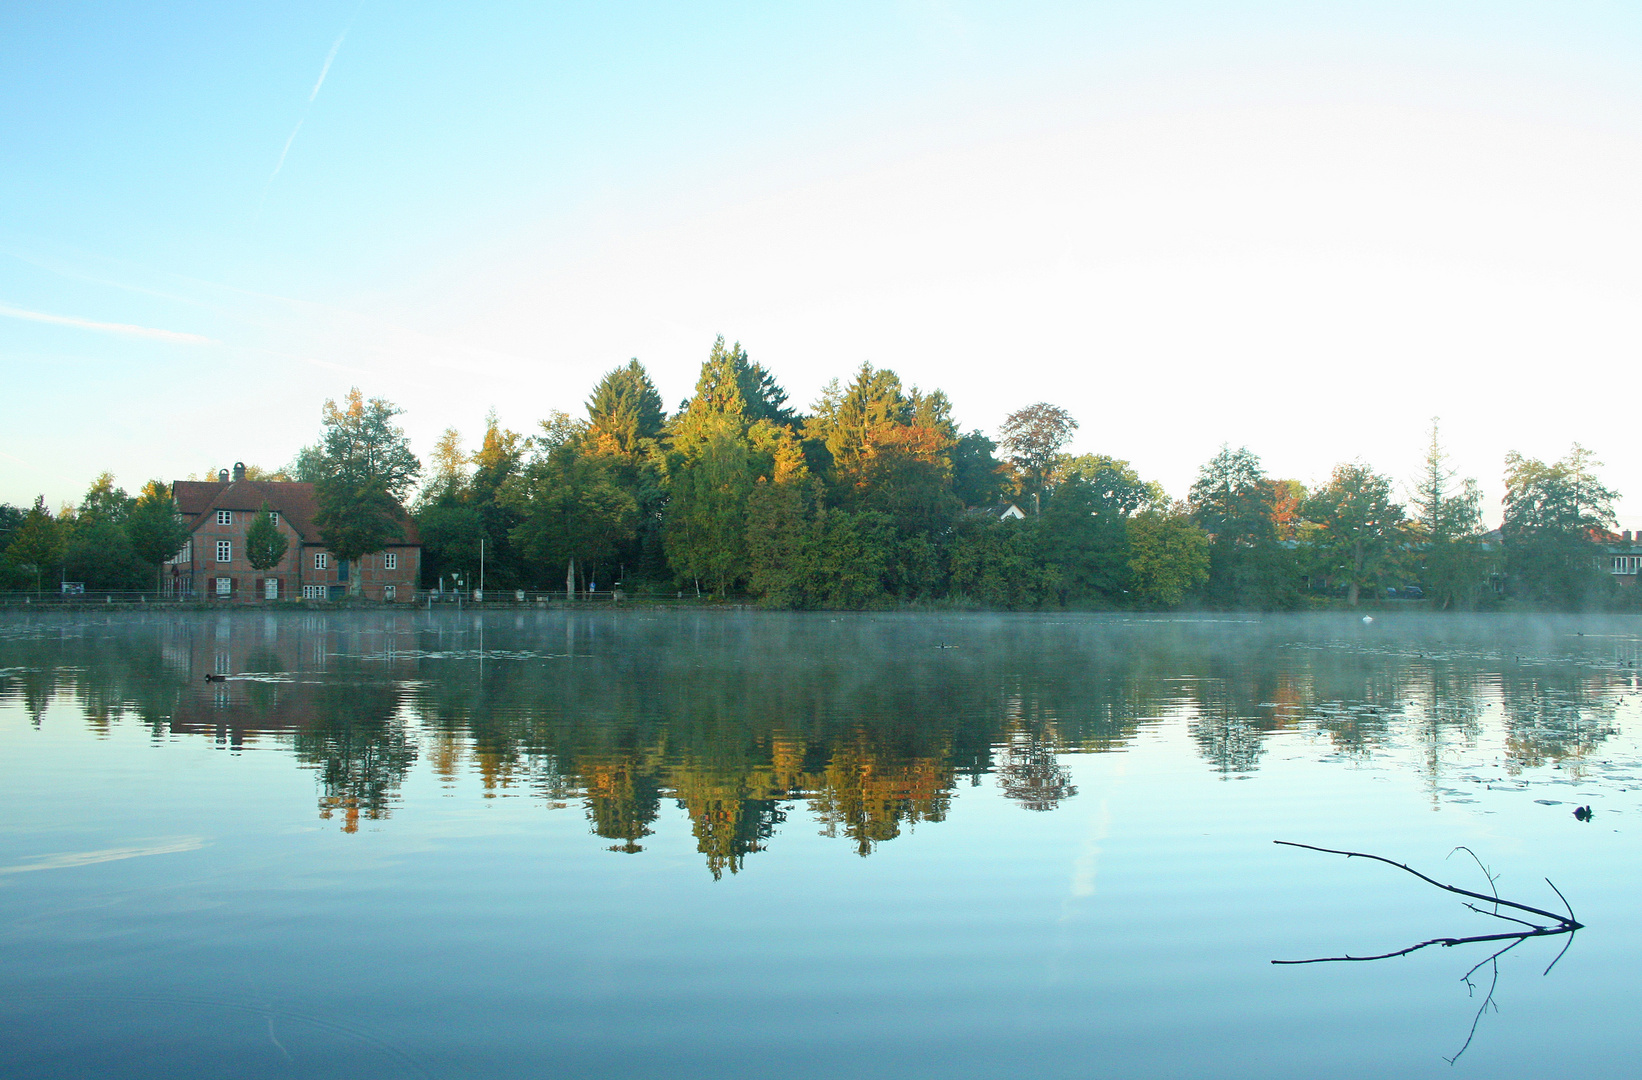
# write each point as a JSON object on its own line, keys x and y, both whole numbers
{"x": 1304, "y": 228}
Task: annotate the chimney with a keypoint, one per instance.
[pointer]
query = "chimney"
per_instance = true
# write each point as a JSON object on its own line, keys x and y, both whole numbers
{"x": 222, "y": 476}
{"x": 239, "y": 471}
{"x": 1627, "y": 536}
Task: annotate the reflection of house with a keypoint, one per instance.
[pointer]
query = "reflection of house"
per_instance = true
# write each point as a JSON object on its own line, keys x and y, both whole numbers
{"x": 213, "y": 564}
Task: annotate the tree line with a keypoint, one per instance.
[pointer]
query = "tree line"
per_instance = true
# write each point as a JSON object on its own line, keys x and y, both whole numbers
{"x": 874, "y": 497}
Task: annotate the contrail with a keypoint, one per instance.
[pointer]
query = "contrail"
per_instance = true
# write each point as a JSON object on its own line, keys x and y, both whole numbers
{"x": 128, "y": 329}
{"x": 280, "y": 164}
{"x": 326, "y": 70}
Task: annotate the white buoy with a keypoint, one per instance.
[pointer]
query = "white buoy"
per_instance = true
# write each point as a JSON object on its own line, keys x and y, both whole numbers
{"x": 1368, "y": 620}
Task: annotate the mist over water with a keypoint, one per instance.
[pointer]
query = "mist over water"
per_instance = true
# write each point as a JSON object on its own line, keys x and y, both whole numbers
{"x": 620, "y": 842}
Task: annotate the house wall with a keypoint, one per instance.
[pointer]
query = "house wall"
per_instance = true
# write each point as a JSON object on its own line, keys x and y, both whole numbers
{"x": 246, "y": 583}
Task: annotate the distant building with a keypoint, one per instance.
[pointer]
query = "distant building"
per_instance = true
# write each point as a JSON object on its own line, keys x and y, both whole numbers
{"x": 1000, "y": 512}
{"x": 213, "y": 564}
{"x": 1622, "y": 556}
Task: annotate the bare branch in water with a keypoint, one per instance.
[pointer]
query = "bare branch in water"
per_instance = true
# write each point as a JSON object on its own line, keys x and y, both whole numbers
{"x": 1566, "y": 923}
{"x": 1558, "y": 925}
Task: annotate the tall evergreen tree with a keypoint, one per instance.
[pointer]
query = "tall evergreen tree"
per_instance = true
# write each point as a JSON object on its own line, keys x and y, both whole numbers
{"x": 625, "y": 411}
{"x": 1448, "y": 524}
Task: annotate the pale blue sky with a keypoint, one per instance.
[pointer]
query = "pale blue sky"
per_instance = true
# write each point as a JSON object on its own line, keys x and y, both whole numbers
{"x": 1293, "y": 226}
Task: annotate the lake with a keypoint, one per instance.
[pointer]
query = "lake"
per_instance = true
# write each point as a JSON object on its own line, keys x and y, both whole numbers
{"x": 630, "y": 843}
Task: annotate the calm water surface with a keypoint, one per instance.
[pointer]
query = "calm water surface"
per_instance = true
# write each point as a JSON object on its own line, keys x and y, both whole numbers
{"x": 629, "y": 844}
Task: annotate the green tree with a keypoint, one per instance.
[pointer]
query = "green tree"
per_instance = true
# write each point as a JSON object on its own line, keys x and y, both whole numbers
{"x": 38, "y": 543}
{"x": 368, "y": 469}
{"x": 308, "y": 467}
{"x": 156, "y": 528}
{"x": 995, "y": 564}
{"x": 572, "y": 508}
{"x": 97, "y": 548}
{"x": 265, "y": 544}
{"x": 1232, "y": 502}
{"x": 1553, "y": 516}
{"x": 1360, "y": 527}
{"x": 1033, "y": 437}
{"x": 625, "y": 411}
{"x": 1168, "y": 556}
{"x": 707, "y": 514}
{"x": 977, "y": 475}
{"x": 1448, "y": 527}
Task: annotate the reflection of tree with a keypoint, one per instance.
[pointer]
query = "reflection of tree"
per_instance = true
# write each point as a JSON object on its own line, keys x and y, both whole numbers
{"x": 357, "y": 742}
{"x": 871, "y": 721}
{"x": 1550, "y": 718}
{"x": 623, "y": 796}
{"x": 867, "y": 795}
{"x": 1029, "y": 770}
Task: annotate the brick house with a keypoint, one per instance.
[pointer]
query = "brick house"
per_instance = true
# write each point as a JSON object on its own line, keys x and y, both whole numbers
{"x": 213, "y": 564}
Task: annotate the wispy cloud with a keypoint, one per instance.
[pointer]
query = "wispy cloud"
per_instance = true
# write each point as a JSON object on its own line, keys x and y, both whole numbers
{"x": 65, "y": 860}
{"x": 128, "y": 329}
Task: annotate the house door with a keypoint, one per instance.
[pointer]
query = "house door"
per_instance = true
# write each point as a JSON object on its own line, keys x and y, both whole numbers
{"x": 270, "y": 589}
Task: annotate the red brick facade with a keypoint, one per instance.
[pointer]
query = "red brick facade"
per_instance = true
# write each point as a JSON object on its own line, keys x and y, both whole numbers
{"x": 213, "y": 566}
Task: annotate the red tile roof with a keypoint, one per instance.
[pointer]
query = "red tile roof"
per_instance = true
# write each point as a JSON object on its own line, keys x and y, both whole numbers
{"x": 294, "y": 502}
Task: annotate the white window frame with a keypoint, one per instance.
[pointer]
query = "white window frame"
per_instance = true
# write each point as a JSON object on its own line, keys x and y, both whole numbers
{"x": 274, "y": 515}
{"x": 313, "y": 592}
{"x": 225, "y": 586}
{"x": 389, "y": 592}
{"x": 322, "y": 560}
{"x": 225, "y": 517}
{"x": 390, "y": 561}
{"x": 225, "y": 551}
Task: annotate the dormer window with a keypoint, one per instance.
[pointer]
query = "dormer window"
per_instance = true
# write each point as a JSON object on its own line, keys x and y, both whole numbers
{"x": 225, "y": 517}
{"x": 274, "y": 516}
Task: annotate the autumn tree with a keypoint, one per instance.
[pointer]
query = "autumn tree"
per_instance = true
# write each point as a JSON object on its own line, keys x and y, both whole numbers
{"x": 1033, "y": 438}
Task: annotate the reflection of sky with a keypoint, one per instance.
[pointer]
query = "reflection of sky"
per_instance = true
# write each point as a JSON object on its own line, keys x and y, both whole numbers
{"x": 1127, "y": 930}
{"x": 1327, "y": 223}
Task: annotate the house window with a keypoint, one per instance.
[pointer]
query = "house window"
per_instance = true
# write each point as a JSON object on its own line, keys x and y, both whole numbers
{"x": 390, "y": 562}
{"x": 225, "y": 517}
{"x": 313, "y": 592}
{"x": 185, "y": 555}
{"x": 225, "y": 551}
{"x": 388, "y": 591}
{"x": 322, "y": 560}
{"x": 225, "y": 586}
{"x": 273, "y": 515}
